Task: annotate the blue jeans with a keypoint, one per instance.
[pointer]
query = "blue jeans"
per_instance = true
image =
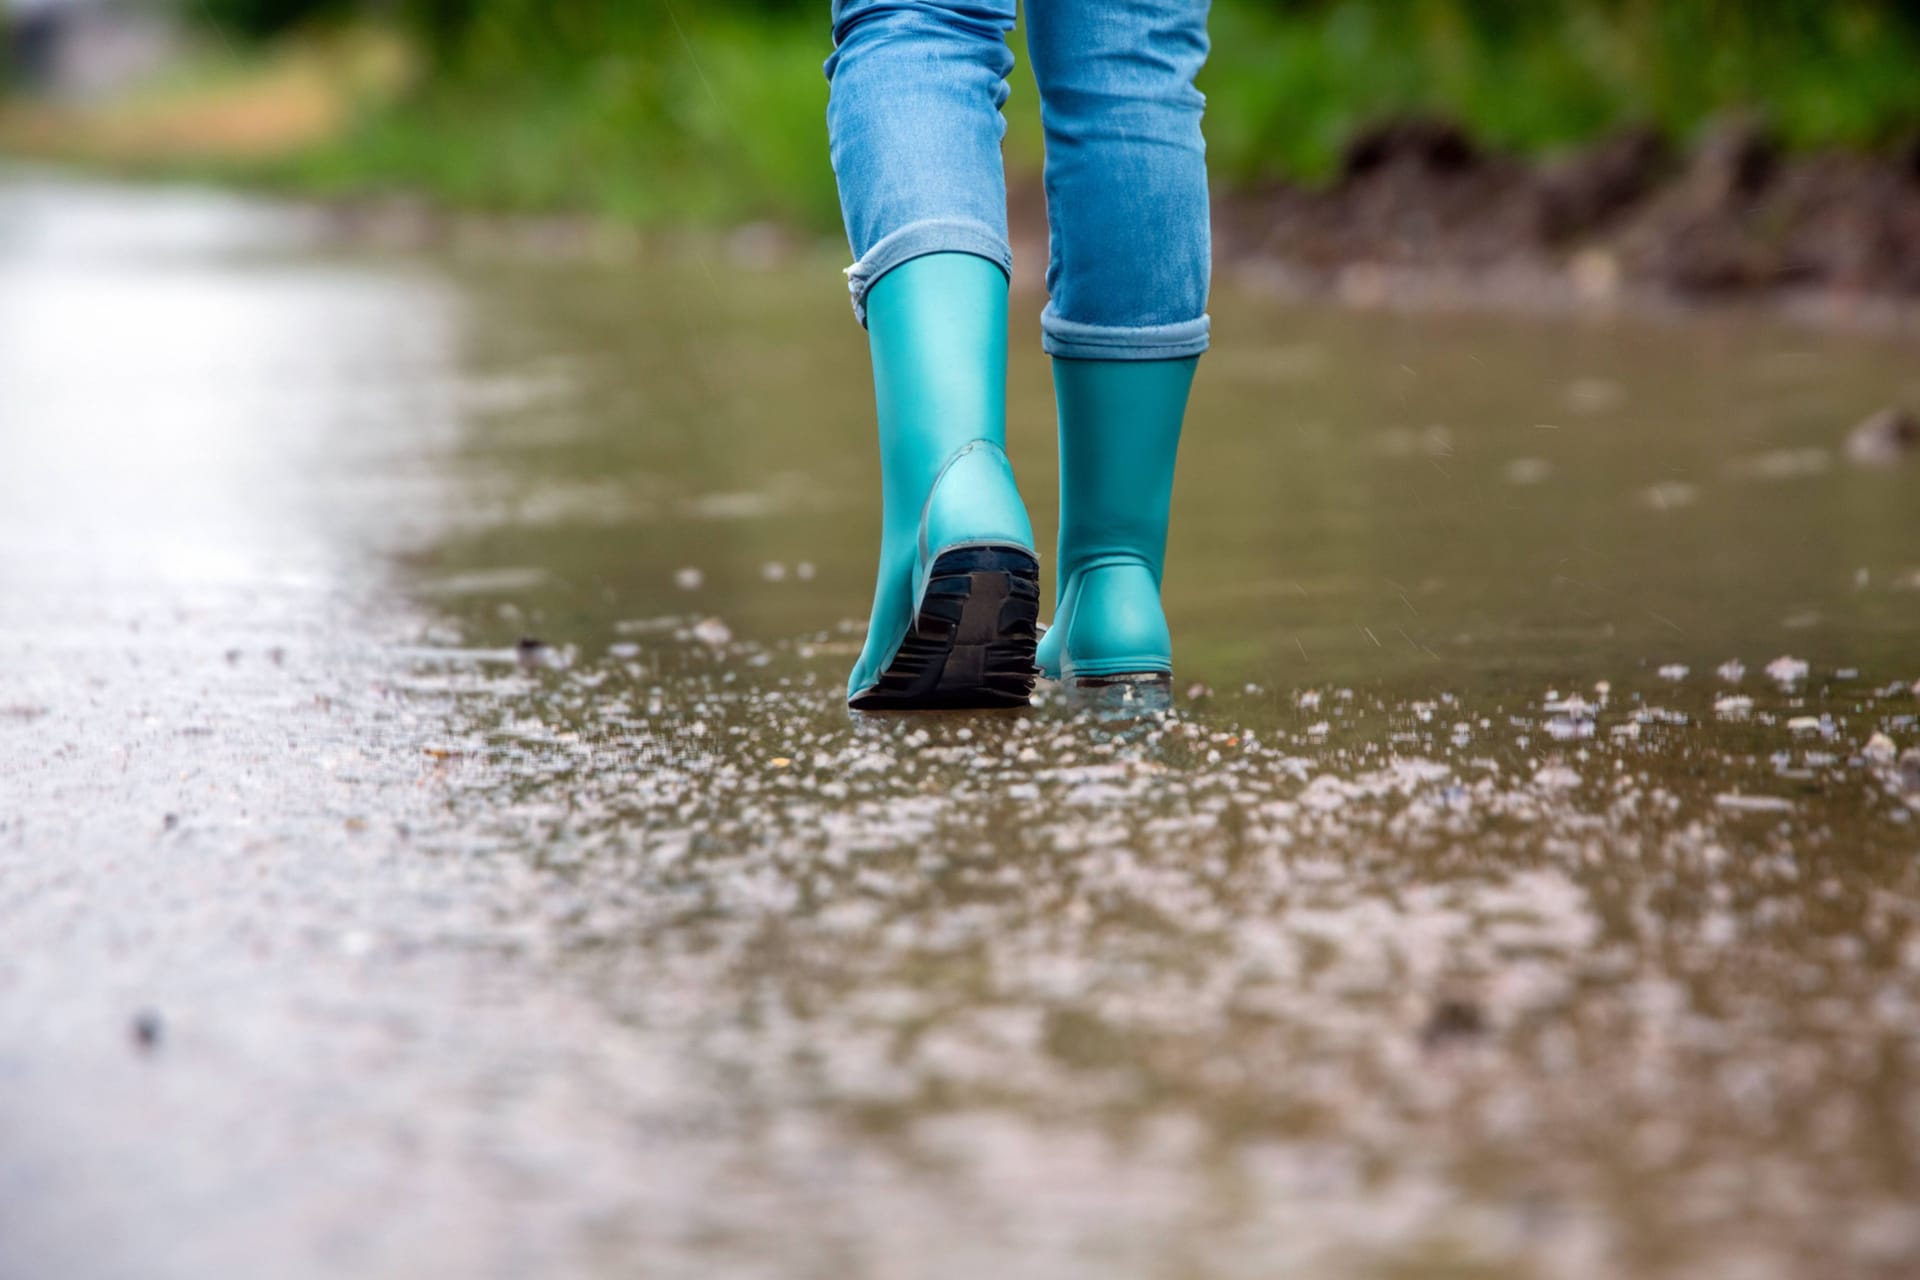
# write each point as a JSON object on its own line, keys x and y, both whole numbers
{"x": 915, "y": 125}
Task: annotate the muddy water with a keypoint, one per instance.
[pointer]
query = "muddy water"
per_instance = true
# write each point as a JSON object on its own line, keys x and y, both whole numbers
{"x": 1494, "y": 900}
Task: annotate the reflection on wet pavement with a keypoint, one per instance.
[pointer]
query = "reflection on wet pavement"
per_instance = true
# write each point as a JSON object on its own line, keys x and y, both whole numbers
{"x": 432, "y": 841}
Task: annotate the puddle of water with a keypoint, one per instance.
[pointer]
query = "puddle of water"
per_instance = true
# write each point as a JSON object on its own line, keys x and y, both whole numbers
{"x": 1501, "y": 895}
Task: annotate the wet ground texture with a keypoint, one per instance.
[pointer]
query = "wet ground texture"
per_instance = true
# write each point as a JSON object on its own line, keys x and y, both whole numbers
{"x": 432, "y": 842}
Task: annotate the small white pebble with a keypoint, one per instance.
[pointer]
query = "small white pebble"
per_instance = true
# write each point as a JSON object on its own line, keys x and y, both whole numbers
{"x": 1733, "y": 671}
{"x": 1556, "y": 777}
{"x": 1754, "y": 804}
{"x": 1674, "y": 671}
{"x": 1787, "y": 670}
{"x": 689, "y": 579}
{"x": 1880, "y": 749}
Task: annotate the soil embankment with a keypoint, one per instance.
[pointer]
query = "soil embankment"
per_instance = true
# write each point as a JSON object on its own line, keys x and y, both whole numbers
{"x": 1734, "y": 215}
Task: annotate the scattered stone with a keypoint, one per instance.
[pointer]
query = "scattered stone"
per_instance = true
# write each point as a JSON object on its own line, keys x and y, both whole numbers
{"x": 804, "y": 571}
{"x": 1804, "y": 724}
{"x": 533, "y": 653}
{"x": 1568, "y": 728}
{"x": 1787, "y": 670}
{"x": 1741, "y": 803}
{"x": 145, "y": 1030}
{"x": 1733, "y": 671}
{"x": 1674, "y": 671}
{"x": 1910, "y": 769}
{"x": 1556, "y": 777}
{"x": 1594, "y": 274}
{"x": 1885, "y": 439}
{"x": 1733, "y": 707}
{"x": 1453, "y": 1021}
{"x": 713, "y": 632}
{"x": 773, "y": 571}
{"x": 689, "y": 579}
{"x": 1880, "y": 749}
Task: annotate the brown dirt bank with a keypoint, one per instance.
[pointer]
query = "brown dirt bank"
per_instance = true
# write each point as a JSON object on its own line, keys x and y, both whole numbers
{"x": 1734, "y": 216}
{"x": 1422, "y": 216}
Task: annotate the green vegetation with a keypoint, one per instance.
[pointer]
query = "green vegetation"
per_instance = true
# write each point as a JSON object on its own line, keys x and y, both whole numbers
{"x": 672, "y": 111}
{"x": 1289, "y": 83}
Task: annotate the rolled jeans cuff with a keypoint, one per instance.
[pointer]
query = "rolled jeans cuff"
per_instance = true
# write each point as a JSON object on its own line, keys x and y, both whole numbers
{"x": 1076, "y": 341}
{"x": 917, "y": 240}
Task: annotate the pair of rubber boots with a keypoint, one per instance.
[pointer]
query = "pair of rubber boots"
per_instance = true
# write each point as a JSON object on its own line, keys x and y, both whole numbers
{"x": 956, "y": 608}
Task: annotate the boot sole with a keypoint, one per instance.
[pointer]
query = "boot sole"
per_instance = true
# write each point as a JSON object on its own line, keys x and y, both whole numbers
{"x": 972, "y": 642}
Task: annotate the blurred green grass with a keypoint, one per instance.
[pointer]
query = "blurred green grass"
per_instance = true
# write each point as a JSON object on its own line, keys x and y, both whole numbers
{"x": 662, "y": 111}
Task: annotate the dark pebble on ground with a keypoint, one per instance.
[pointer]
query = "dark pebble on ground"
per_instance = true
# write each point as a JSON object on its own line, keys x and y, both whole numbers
{"x": 533, "y": 653}
{"x": 1888, "y": 437}
{"x": 1453, "y": 1020}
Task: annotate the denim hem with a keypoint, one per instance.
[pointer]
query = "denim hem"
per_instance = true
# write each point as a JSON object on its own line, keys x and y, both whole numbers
{"x": 917, "y": 240}
{"x": 1076, "y": 341}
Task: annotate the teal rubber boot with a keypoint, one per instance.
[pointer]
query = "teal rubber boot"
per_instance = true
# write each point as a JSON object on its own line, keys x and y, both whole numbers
{"x": 1119, "y": 434}
{"x": 957, "y": 601}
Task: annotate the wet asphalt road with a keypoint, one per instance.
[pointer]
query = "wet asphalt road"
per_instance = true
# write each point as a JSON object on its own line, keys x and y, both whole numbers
{"x": 1495, "y": 902}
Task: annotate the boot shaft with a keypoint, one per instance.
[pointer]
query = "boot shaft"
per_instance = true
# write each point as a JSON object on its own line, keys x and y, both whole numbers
{"x": 1120, "y": 426}
{"x": 937, "y": 334}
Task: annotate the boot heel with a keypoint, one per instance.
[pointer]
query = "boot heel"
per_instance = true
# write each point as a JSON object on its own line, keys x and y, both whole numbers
{"x": 1113, "y": 629}
{"x": 972, "y": 641}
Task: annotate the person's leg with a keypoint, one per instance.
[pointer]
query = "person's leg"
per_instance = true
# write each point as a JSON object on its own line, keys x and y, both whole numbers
{"x": 915, "y": 127}
{"x": 1128, "y": 277}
